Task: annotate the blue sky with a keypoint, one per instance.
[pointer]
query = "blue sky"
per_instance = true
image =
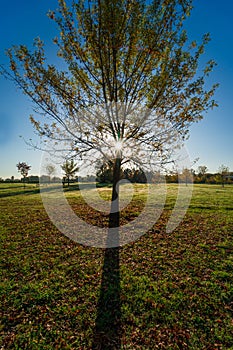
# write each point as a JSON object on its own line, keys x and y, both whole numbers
{"x": 210, "y": 140}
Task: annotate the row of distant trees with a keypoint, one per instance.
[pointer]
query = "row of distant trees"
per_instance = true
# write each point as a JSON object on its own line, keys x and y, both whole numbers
{"x": 69, "y": 168}
{"x": 201, "y": 175}
{"x": 33, "y": 179}
{"x": 105, "y": 175}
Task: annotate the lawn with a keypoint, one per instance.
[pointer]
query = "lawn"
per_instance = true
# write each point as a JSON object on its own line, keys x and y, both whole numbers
{"x": 164, "y": 291}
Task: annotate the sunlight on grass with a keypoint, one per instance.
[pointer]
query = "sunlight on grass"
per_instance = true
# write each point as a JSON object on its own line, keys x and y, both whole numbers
{"x": 175, "y": 289}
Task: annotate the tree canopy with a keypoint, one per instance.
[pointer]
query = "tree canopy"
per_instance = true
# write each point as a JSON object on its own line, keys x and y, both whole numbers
{"x": 129, "y": 79}
{"x": 23, "y": 168}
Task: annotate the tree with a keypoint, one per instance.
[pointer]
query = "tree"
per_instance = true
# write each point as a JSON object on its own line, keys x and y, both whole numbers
{"x": 50, "y": 169}
{"x": 105, "y": 172}
{"x": 23, "y": 169}
{"x": 186, "y": 176}
{"x": 202, "y": 170}
{"x": 129, "y": 90}
{"x": 44, "y": 179}
{"x": 223, "y": 171}
{"x": 69, "y": 168}
{"x": 139, "y": 176}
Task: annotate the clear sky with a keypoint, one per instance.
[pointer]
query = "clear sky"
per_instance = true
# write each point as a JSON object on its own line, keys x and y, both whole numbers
{"x": 210, "y": 140}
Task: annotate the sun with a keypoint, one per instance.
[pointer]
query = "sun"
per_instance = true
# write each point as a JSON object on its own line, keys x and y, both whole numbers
{"x": 118, "y": 145}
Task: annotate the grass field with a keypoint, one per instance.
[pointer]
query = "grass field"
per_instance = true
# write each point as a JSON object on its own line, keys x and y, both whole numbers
{"x": 164, "y": 291}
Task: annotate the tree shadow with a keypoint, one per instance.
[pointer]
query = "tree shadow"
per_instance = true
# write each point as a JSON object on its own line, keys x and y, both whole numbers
{"x": 107, "y": 333}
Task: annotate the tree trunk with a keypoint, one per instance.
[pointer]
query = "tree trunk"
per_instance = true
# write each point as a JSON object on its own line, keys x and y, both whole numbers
{"x": 114, "y": 217}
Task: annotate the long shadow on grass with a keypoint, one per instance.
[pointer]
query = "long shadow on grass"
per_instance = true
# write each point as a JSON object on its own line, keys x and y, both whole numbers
{"x": 107, "y": 333}
{"x": 31, "y": 191}
{"x": 17, "y": 193}
{"x": 72, "y": 187}
{"x": 11, "y": 187}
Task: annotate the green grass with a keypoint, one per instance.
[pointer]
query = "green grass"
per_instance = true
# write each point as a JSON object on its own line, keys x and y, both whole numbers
{"x": 176, "y": 289}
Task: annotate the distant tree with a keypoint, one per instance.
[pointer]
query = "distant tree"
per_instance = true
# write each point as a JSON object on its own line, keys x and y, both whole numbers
{"x": 56, "y": 179}
{"x": 139, "y": 176}
{"x": 23, "y": 169}
{"x": 202, "y": 169}
{"x": 50, "y": 170}
{"x": 201, "y": 173}
{"x": 172, "y": 176}
{"x": 136, "y": 175}
{"x": 44, "y": 179}
{"x": 186, "y": 176}
{"x": 105, "y": 172}
{"x": 33, "y": 179}
{"x": 91, "y": 178}
{"x": 70, "y": 169}
{"x": 223, "y": 171}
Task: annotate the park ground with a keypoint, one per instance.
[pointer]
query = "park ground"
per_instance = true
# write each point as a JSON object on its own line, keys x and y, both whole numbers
{"x": 175, "y": 289}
